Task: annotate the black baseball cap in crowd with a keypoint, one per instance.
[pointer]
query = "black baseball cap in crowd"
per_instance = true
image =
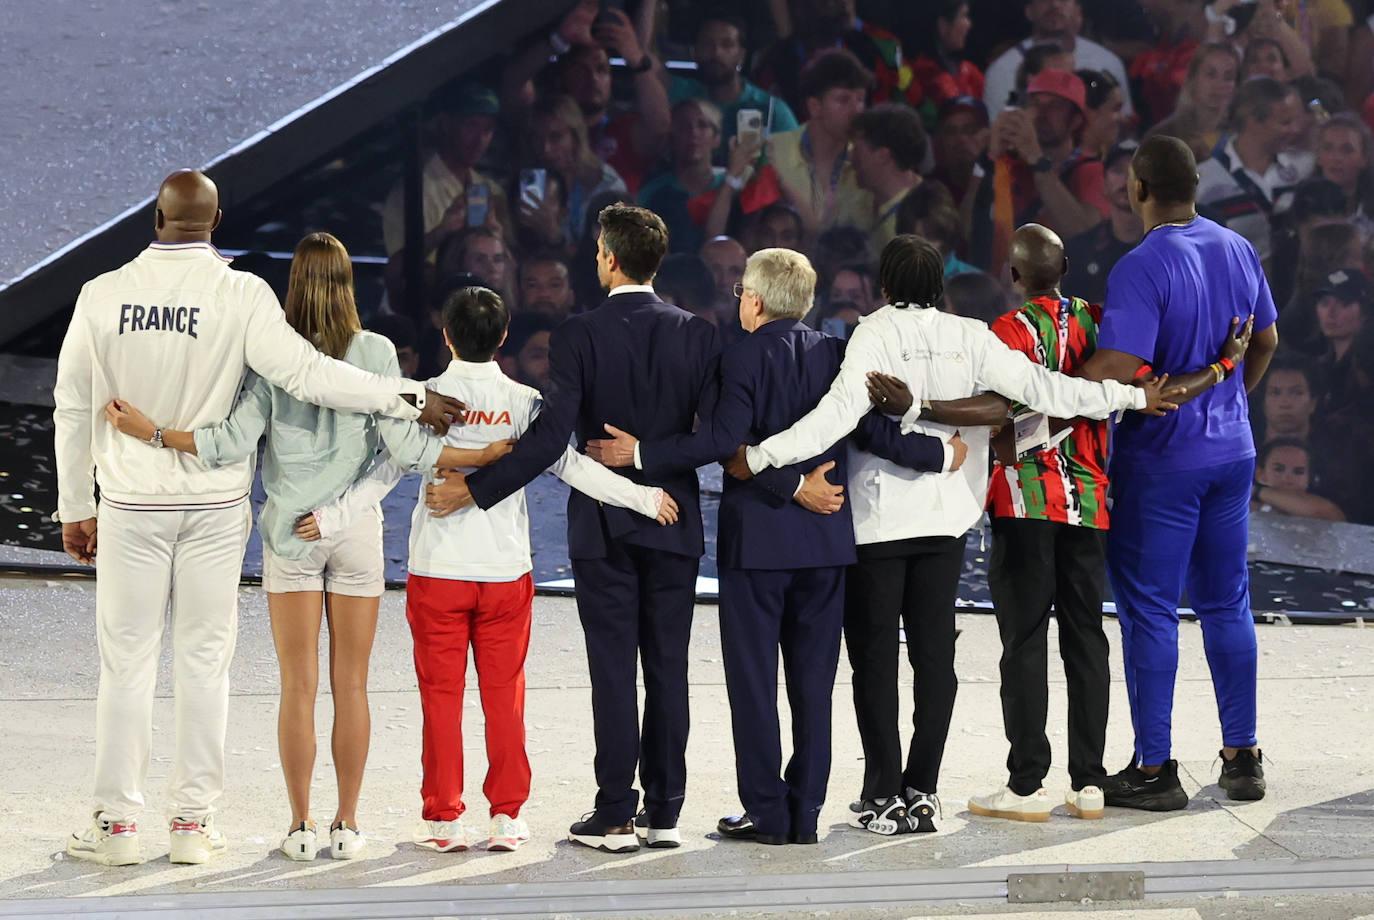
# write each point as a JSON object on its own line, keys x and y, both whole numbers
{"x": 963, "y": 104}
{"x": 1126, "y": 148}
{"x": 1349, "y": 285}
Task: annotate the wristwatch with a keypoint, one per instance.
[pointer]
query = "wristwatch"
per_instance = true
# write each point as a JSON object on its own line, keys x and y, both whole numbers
{"x": 1042, "y": 165}
{"x": 156, "y": 439}
{"x": 559, "y": 44}
{"x": 735, "y": 182}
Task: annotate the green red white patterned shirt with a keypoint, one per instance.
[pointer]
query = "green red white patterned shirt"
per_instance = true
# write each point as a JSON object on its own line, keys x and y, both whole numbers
{"x": 1067, "y": 483}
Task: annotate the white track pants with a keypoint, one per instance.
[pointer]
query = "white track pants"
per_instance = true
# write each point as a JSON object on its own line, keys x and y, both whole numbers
{"x": 143, "y": 559}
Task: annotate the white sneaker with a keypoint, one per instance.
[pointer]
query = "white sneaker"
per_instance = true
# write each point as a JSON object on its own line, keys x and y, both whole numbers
{"x": 1007, "y": 804}
{"x": 109, "y": 843}
{"x": 1088, "y": 803}
{"x": 346, "y": 842}
{"x": 444, "y": 836}
{"x": 507, "y": 834}
{"x": 302, "y": 844}
{"x": 195, "y": 842}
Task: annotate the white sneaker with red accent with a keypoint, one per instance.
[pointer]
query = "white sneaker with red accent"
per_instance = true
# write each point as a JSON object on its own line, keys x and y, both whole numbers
{"x": 507, "y": 834}
{"x": 195, "y": 842}
{"x": 109, "y": 843}
{"x": 445, "y": 836}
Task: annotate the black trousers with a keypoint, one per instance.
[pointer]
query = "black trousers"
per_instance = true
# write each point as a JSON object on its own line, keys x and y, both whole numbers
{"x": 800, "y": 612}
{"x": 636, "y": 603}
{"x": 911, "y": 583}
{"x": 1036, "y": 565}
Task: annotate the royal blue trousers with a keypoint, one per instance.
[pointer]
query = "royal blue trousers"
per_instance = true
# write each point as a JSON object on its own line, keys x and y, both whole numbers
{"x": 1169, "y": 532}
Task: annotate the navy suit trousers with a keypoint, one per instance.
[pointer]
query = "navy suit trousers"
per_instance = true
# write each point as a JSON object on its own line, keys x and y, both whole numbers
{"x": 801, "y": 612}
{"x": 636, "y": 603}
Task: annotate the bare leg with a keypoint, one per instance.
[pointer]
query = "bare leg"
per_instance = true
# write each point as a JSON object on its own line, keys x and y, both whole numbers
{"x": 296, "y": 632}
{"x": 352, "y": 626}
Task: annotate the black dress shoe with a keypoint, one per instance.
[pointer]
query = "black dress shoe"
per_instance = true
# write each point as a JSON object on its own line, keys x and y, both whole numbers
{"x": 741, "y": 827}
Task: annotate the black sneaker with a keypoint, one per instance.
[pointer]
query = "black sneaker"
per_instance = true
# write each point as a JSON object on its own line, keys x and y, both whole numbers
{"x": 1242, "y": 777}
{"x": 656, "y": 838}
{"x": 882, "y": 816}
{"x": 594, "y": 833}
{"x": 922, "y": 808}
{"x": 1133, "y": 788}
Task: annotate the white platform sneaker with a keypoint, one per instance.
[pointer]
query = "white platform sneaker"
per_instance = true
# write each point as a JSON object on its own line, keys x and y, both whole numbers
{"x": 346, "y": 842}
{"x": 1012, "y": 807}
{"x": 444, "y": 836}
{"x": 507, "y": 834}
{"x": 302, "y": 844}
{"x": 106, "y": 842}
{"x": 1088, "y": 803}
{"x": 195, "y": 842}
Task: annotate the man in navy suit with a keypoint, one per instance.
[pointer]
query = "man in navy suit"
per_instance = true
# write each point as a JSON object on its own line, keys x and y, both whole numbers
{"x": 781, "y": 564}
{"x": 641, "y": 364}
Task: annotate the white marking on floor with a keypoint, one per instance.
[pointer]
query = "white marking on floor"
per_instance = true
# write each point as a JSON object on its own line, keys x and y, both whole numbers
{"x": 235, "y": 878}
{"x": 473, "y": 864}
{"x": 645, "y": 855}
{"x": 152, "y": 880}
{"x": 59, "y": 881}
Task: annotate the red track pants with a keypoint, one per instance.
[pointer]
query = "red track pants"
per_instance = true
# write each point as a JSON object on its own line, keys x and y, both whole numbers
{"x": 445, "y": 615}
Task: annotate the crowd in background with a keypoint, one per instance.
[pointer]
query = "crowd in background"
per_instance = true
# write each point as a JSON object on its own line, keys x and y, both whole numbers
{"x": 829, "y": 127}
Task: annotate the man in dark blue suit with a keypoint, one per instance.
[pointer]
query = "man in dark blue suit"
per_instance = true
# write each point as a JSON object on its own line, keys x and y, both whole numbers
{"x": 641, "y": 364}
{"x": 782, "y": 562}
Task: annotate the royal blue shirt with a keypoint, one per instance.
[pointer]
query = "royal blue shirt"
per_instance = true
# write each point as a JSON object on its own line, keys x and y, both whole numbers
{"x": 1170, "y": 302}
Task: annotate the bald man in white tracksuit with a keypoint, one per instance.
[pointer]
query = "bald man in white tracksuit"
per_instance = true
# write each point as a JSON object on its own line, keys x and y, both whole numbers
{"x": 173, "y": 332}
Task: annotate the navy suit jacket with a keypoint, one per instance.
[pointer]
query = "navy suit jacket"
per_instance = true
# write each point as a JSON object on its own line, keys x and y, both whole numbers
{"x": 766, "y": 383}
{"x": 641, "y": 365}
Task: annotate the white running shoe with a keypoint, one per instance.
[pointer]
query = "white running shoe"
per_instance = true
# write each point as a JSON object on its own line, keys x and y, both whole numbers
{"x": 109, "y": 843}
{"x": 302, "y": 844}
{"x": 507, "y": 834}
{"x": 346, "y": 842}
{"x": 195, "y": 842}
{"x": 1007, "y": 804}
{"x": 444, "y": 836}
{"x": 1088, "y": 803}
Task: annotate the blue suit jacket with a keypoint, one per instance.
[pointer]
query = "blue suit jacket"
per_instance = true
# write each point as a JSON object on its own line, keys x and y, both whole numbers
{"x": 767, "y": 382}
{"x": 643, "y": 366}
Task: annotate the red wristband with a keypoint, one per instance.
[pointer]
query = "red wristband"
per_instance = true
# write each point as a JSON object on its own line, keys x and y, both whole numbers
{"x": 1227, "y": 365}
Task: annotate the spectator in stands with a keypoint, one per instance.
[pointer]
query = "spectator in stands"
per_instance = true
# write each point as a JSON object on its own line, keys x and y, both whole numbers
{"x": 1324, "y": 26}
{"x": 1283, "y": 477}
{"x": 478, "y": 251}
{"x": 719, "y": 52}
{"x": 890, "y": 72}
{"x": 1053, "y": 182}
{"x": 1265, "y": 57}
{"x": 1160, "y": 71}
{"x": 1103, "y": 111}
{"x": 1343, "y": 307}
{"x": 853, "y": 286}
{"x": 1055, "y": 21}
{"x": 818, "y": 25}
{"x": 976, "y": 295}
{"x": 400, "y": 331}
{"x": 557, "y": 140}
{"x": 541, "y": 217}
{"x": 1203, "y": 103}
{"x": 814, "y": 161}
{"x": 462, "y": 130}
{"x": 1345, "y": 155}
{"x": 629, "y": 142}
{"x": 1359, "y": 81}
{"x": 524, "y": 355}
{"x": 685, "y": 280}
{"x": 940, "y": 72}
{"x": 838, "y": 247}
{"x": 546, "y": 286}
{"x": 1039, "y": 58}
{"x": 683, "y": 195}
{"x": 888, "y": 145}
{"x": 1093, "y": 254}
{"x": 928, "y": 211}
{"x": 1325, "y": 249}
{"x": 777, "y": 226}
{"x": 1317, "y": 202}
{"x": 1266, "y": 26}
{"x": 961, "y": 139}
{"x": 725, "y": 257}
{"x": 1249, "y": 180}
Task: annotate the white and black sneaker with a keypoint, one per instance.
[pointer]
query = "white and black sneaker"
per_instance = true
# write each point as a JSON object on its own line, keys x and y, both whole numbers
{"x": 887, "y": 817}
{"x": 923, "y": 807}
{"x": 656, "y": 838}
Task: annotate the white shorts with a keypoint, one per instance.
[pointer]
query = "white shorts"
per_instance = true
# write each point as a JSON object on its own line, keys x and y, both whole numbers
{"x": 349, "y": 562}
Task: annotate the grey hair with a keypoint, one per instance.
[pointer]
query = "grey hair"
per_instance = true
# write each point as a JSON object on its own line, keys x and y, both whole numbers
{"x": 784, "y": 281}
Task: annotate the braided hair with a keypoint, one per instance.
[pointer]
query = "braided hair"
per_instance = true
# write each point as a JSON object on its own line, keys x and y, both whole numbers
{"x": 911, "y": 272}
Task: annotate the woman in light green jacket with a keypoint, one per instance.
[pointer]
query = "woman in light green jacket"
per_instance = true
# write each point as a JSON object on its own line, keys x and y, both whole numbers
{"x": 312, "y": 456}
